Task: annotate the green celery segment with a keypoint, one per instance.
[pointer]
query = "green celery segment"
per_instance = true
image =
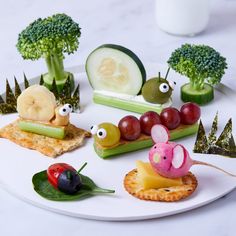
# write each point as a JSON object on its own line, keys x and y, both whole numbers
{"x": 42, "y": 129}
{"x": 178, "y": 133}
{"x": 128, "y": 105}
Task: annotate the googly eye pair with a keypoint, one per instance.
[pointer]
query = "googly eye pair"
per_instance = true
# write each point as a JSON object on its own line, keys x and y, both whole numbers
{"x": 101, "y": 133}
{"x": 65, "y": 110}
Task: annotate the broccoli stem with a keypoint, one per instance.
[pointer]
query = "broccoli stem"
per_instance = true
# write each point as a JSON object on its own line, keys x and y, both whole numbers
{"x": 55, "y": 67}
{"x": 197, "y": 83}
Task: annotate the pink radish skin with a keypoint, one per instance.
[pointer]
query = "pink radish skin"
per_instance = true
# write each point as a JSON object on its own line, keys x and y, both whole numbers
{"x": 169, "y": 159}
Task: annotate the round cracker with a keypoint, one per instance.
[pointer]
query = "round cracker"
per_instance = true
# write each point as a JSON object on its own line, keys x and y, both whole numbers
{"x": 170, "y": 194}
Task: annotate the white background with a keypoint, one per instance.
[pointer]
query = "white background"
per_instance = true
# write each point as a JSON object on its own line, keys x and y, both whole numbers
{"x": 132, "y": 24}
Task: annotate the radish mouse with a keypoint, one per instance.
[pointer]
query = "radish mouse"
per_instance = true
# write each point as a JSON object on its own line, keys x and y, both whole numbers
{"x": 170, "y": 159}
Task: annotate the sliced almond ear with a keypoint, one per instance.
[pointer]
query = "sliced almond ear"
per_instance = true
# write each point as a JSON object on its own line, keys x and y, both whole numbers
{"x": 178, "y": 156}
{"x": 160, "y": 134}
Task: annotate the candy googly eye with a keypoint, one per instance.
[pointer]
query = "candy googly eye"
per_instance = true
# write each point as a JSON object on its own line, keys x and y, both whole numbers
{"x": 172, "y": 84}
{"x": 102, "y": 133}
{"x": 68, "y": 107}
{"x": 164, "y": 87}
{"x": 93, "y": 129}
{"x": 63, "y": 111}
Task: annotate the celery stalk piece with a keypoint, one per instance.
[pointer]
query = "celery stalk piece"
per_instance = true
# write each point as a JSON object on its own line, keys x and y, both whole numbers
{"x": 128, "y": 104}
{"x": 42, "y": 129}
{"x": 180, "y": 132}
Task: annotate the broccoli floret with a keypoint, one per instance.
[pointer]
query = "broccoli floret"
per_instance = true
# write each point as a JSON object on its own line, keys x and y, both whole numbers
{"x": 199, "y": 63}
{"x": 50, "y": 38}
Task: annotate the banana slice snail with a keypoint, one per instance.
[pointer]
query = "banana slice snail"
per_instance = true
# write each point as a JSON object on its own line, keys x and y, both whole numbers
{"x": 37, "y": 104}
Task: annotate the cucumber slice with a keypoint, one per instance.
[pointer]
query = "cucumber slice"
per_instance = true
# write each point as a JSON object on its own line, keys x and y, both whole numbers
{"x": 200, "y": 97}
{"x": 115, "y": 68}
{"x": 60, "y": 83}
{"x": 180, "y": 132}
{"x": 42, "y": 129}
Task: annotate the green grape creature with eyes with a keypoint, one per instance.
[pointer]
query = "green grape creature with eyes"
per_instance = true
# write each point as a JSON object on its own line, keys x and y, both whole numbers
{"x": 158, "y": 90}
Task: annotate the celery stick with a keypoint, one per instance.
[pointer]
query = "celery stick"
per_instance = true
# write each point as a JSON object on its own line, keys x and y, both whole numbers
{"x": 42, "y": 129}
{"x": 129, "y": 105}
{"x": 180, "y": 132}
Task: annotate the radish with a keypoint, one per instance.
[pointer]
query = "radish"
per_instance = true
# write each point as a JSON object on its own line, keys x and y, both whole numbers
{"x": 170, "y": 159}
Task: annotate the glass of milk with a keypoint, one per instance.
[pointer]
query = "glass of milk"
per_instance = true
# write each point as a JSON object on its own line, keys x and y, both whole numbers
{"x": 182, "y": 17}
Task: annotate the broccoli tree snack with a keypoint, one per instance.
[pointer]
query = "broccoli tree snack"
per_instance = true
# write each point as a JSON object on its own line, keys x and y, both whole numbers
{"x": 201, "y": 64}
{"x": 61, "y": 182}
{"x": 50, "y": 38}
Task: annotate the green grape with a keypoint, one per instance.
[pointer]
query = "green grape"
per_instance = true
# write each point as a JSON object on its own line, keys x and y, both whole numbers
{"x": 108, "y": 135}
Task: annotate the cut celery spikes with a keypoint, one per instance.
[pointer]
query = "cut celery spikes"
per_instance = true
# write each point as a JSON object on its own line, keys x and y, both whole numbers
{"x": 180, "y": 132}
{"x": 42, "y": 129}
{"x": 127, "y": 102}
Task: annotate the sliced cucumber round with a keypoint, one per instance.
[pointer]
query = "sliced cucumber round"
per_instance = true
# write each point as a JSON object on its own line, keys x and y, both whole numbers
{"x": 188, "y": 94}
{"x": 60, "y": 83}
{"x": 115, "y": 68}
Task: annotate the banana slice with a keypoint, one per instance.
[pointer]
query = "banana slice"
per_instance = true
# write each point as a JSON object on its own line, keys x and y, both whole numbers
{"x": 36, "y": 103}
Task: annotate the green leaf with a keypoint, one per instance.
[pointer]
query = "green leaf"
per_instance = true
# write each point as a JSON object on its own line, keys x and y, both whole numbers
{"x": 46, "y": 190}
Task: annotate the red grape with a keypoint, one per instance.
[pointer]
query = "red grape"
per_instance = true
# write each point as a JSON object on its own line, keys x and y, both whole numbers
{"x": 147, "y": 120}
{"x": 170, "y": 117}
{"x": 190, "y": 113}
{"x": 130, "y": 128}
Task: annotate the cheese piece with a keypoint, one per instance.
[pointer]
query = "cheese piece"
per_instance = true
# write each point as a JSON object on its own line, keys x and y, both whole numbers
{"x": 150, "y": 179}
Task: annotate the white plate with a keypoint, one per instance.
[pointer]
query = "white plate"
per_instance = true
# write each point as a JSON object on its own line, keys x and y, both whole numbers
{"x": 18, "y": 165}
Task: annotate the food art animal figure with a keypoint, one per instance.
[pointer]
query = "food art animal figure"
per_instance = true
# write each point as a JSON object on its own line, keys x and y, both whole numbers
{"x": 38, "y": 104}
{"x": 170, "y": 159}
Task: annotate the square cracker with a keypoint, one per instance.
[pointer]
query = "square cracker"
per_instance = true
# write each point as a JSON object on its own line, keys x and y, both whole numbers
{"x": 48, "y": 146}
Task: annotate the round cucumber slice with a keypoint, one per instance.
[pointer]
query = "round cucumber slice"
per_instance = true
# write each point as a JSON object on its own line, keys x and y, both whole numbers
{"x": 188, "y": 94}
{"x": 115, "y": 68}
{"x": 60, "y": 83}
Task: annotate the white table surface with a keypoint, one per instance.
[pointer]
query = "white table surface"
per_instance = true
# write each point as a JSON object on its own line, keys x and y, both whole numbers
{"x": 132, "y": 24}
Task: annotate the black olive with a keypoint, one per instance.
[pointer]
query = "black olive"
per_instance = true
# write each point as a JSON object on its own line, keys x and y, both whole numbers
{"x": 69, "y": 182}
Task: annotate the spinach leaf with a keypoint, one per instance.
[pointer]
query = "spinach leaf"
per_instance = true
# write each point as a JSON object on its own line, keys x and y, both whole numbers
{"x": 46, "y": 190}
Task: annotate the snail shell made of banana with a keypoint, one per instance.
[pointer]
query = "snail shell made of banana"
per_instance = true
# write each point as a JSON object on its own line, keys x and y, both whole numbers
{"x": 37, "y": 103}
